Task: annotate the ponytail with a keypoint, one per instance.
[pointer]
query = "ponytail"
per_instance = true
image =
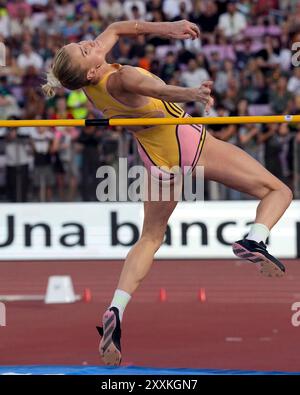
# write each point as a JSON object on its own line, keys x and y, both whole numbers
{"x": 51, "y": 85}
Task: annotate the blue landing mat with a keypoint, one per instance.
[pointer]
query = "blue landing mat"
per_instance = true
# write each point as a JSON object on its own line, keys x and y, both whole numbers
{"x": 131, "y": 370}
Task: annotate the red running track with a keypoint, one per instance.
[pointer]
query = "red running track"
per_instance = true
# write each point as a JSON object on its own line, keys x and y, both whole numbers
{"x": 245, "y": 322}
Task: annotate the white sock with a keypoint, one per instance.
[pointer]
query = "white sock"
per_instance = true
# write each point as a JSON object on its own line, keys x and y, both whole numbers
{"x": 258, "y": 233}
{"x": 120, "y": 301}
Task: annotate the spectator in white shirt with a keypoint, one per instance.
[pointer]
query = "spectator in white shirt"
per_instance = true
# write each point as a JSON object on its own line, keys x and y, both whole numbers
{"x": 232, "y": 23}
{"x": 21, "y": 22}
{"x": 4, "y": 25}
{"x": 51, "y": 24}
{"x": 110, "y": 9}
{"x": 172, "y": 7}
{"x": 29, "y": 58}
{"x": 194, "y": 75}
{"x": 128, "y": 4}
{"x": 65, "y": 9}
{"x": 17, "y": 159}
{"x": 294, "y": 82}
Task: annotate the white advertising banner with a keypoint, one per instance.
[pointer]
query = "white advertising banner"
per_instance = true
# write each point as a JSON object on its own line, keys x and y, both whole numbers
{"x": 108, "y": 230}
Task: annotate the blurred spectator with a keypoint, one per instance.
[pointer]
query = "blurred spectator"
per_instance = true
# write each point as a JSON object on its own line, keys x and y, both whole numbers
{"x": 110, "y": 147}
{"x": 110, "y": 9}
{"x": 285, "y": 139}
{"x": 248, "y": 133}
{"x": 38, "y": 5}
{"x": 172, "y": 7}
{"x": 85, "y": 6}
{"x": 170, "y": 67}
{"x": 244, "y": 53}
{"x": 279, "y": 96}
{"x": 294, "y": 82}
{"x": 4, "y": 24}
{"x": 20, "y": 22}
{"x": 89, "y": 145}
{"x": 42, "y": 140}
{"x": 66, "y": 163}
{"x": 194, "y": 75}
{"x": 51, "y": 24}
{"x": 17, "y": 160}
{"x": 254, "y": 86}
{"x": 183, "y": 12}
{"x": 34, "y": 105}
{"x": 28, "y": 57}
{"x": 278, "y": 151}
{"x": 232, "y": 96}
{"x": 132, "y": 8}
{"x": 65, "y": 8}
{"x": 95, "y": 24}
{"x": 12, "y": 72}
{"x": 248, "y": 139}
{"x": 8, "y": 103}
{"x": 15, "y": 6}
{"x": 123, "y": 49}
{"x": 71, "y": 29}
{"x": 137, "y": 49}
{"x": 152, "y": 6}
{"x": 264, "y": 6}
{"x": 206, "y": 17}
{"x": 233, "y": 22}
{"x": 224, "y": 76}
{"x": 61, "y": 111}
{"x": 145, "y": 61}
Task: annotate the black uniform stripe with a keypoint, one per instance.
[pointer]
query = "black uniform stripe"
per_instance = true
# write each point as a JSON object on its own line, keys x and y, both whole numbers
{"x": 175, "y": 115}
{"x": 173, "y": 106}
{"x": 178, "y": 108}
{"x": 179, "y": 148}
{"x": 199, "y": 149}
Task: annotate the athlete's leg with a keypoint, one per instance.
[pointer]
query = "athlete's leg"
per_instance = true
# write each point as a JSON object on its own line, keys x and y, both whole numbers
{"x": 140, "y": 257}
{"x": 136, "y": 266}
{"x": 231, "y": 166}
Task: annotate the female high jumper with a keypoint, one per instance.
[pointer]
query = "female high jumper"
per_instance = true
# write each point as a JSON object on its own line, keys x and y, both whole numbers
{"x": 126, "y": 91}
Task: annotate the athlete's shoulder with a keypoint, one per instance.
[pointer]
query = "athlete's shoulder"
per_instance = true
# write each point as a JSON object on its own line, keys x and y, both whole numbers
{"x": 127, "y": 69}
{"x": 137, "y": 72}
{"x": 128, "y": 74}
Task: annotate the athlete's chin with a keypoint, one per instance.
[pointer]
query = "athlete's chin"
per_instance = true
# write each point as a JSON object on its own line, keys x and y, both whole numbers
{"x": 99, "y": 56}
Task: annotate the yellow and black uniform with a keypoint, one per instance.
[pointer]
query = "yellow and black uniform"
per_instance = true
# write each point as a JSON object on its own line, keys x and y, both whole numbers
{"x": 162, "y": 145}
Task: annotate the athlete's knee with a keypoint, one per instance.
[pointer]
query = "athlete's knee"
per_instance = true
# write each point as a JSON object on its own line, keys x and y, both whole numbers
{"x": 276, "y": 185}
{"x": 287, "y": 193}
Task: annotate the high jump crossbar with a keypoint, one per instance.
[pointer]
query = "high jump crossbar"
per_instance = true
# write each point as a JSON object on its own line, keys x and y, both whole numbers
{"x": 151, "y": 121}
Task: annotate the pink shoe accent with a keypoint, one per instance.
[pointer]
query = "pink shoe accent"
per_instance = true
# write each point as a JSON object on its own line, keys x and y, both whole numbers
{"x": 266, "y": 267}
{"x": 110, "y": 354}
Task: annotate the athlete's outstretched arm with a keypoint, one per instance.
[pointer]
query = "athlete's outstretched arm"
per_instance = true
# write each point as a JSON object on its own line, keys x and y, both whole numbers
{"x": 179, "y": 30}
{"x": 135, "y": 82}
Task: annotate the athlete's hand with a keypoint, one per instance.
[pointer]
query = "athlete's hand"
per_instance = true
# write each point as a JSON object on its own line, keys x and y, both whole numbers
{"x": 182, "y": 30}
{"x": 203, "y": 95}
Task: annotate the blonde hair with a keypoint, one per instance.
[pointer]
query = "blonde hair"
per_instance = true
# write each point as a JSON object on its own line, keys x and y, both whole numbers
{"x": 64, "y": 72}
